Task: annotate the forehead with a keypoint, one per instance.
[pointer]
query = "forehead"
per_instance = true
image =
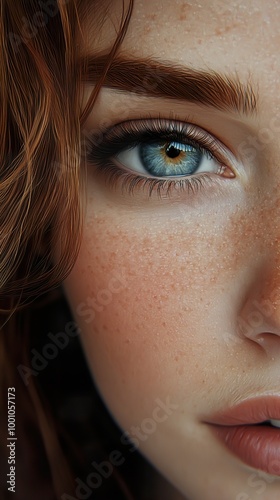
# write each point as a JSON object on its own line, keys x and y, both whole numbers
{"x": 177, "y": 28}
{"x": 196, "y": 31}
{"x": 241, "y": 36}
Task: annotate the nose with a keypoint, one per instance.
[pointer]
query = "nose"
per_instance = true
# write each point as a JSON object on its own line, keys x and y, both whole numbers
{"x": 259, "y": 316}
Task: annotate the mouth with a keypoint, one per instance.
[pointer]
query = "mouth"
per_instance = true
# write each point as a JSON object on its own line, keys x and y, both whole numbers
{"x": 251, "y": 431}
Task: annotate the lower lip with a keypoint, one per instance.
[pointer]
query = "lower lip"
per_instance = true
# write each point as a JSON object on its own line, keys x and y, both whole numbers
{"x": 256, "y": 445}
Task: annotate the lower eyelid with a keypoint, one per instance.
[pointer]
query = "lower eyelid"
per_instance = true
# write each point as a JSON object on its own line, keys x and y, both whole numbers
{"x": 128, "y": 183}
{"x": 223, "y": 171}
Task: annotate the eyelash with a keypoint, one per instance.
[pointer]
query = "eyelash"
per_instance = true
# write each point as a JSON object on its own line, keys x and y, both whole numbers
{"x": 130, "y": 134}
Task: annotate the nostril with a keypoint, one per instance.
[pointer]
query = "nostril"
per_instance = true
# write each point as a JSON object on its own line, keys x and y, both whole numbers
{"x": 263, "y": 337}
{"x": 269, "y": 342}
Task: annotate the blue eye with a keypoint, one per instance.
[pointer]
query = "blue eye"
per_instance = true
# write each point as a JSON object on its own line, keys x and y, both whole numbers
{"x": 167, "y": 159}
{"x": 171, "y": 158}
{"x": 159, "y": 156}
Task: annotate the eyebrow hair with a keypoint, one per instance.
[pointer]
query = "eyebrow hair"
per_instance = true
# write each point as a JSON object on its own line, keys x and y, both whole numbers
{"x": 154, "y": 78}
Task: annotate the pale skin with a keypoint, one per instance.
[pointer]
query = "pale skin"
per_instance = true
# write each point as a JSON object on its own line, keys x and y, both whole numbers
{"x": 193, "y": 264}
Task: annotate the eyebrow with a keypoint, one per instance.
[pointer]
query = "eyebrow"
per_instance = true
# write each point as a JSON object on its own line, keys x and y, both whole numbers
{"x": 154, "y": 78}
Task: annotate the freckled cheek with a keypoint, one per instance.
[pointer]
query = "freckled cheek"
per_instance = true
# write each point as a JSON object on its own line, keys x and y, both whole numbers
{"x": 146, "y": 307}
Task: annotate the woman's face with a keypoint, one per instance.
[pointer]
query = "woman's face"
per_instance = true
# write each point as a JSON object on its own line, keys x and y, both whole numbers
{"x": 177, "y": 285}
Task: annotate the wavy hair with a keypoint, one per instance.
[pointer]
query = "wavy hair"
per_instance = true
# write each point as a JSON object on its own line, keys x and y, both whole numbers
{"x": 40, "y": 177}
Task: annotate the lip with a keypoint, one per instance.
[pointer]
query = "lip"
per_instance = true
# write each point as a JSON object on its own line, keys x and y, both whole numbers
{"x": 238, "y": 427}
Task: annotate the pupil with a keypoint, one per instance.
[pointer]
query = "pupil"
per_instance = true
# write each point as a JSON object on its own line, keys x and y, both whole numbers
{"x": 172, "y": 152}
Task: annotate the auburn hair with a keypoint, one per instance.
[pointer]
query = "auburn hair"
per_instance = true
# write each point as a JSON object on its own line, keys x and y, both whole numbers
{"x": 40, "y": 192}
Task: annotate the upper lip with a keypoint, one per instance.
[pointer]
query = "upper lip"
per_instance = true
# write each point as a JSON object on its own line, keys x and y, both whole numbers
{"x": 251, "y": 411}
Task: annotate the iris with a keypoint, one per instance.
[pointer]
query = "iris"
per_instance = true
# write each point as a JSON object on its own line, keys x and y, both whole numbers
{"x": 170, "y": 159}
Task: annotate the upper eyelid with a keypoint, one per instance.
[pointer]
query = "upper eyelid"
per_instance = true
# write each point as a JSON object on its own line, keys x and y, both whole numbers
{"x": 155, "y": 125}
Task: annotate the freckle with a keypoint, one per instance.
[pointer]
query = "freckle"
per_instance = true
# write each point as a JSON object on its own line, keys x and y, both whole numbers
{"x": 218, "y": 31}
{"x": 225, "y": 29}
{"x": 152, "y": 17}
